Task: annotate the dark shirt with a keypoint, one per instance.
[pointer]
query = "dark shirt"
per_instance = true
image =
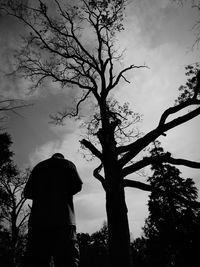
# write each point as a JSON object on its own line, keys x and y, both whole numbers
{"x": 51, "y": 186}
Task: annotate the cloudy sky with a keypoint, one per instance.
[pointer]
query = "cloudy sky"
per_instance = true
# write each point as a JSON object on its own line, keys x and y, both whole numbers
{"x": 158, "y": 33}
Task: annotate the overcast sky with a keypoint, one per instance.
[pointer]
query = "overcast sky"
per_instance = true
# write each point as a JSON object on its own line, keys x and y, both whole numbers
{"x": 158, "y": 33}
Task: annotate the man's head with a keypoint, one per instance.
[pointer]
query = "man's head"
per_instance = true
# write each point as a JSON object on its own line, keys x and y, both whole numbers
{"x": 58, "y": 155}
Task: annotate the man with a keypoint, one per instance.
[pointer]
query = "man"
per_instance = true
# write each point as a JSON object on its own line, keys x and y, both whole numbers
{"x": 52, "y": 227}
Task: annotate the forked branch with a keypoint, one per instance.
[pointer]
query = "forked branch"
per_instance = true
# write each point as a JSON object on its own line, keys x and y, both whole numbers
{"x": 148, "y": 187}
{"x": 165, "y": 158}
{"x": 134, "y": 148}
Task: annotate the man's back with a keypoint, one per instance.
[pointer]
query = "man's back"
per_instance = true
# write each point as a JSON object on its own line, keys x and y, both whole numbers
{"x": 52, "y": 229}
{"x": 51, "y": 185}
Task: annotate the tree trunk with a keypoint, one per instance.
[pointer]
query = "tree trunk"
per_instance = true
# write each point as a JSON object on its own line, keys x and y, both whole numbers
{"x": 118, "y": 227}
{"x": 14, "y": 237}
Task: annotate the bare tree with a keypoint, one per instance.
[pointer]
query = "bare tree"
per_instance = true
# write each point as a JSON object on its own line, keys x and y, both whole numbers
{"x": 56, "y": 49}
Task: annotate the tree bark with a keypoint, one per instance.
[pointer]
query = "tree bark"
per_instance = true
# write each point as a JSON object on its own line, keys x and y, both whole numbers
{"x": 14, "y": 237}
{"x": 118, "y": 227}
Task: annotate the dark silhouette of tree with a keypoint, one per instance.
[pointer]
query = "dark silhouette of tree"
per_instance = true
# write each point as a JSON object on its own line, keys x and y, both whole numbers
{"x": 172, "y": 227}
{"x": 13, "y": 213}
{"x": 57, "y": 50}
{"x": 139, "y": 252}
{"x": 94, "y": 248}
{"x": 5, "y": 248}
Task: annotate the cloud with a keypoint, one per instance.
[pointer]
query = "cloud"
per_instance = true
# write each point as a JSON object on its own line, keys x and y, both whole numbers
{"x": 162, "y": 21}
{"x": 90, "y": 211}
{"x": 137, "y": 209}
{"x": 10, "y": 41}
{"x": 66, "y": 144}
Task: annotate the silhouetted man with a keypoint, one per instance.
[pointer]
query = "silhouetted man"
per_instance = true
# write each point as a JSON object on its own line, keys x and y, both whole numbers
{"x": 52, "y": 227}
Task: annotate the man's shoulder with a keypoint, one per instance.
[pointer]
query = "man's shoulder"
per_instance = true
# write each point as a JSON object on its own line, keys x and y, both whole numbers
{"x": 70, "y": 163}
{"x": 56, "y": 162}
{"x": 41, "y": 163}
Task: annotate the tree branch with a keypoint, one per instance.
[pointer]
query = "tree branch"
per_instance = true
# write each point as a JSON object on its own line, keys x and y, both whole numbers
{"x": 180, "y": 120}
{"x": 120, "y": 75}
{"x": 143, "y": 163}
{"x": 12, "y": 104}
{"x": 147, "y": 187}
{"x": 58, "y": 119}
{"x": 185, "y": 162}
{"x": 92, "y": 148}
{"x": 165, "y": 158}
{"x": 19, "y": 206}
{"x": 23, "y": 220}
{"x": 136, "y": 184}
{"x": 133, "y": 149}
{"x": 177, "y": 108}
{"x": 99, "y": 177}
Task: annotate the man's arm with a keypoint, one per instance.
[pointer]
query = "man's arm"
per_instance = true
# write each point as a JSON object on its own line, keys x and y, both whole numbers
{"x": 75, "y": 180}
{"x": 29, "y": 191}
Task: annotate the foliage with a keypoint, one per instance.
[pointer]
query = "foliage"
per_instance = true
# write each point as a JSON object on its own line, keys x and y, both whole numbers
{"x": 124, "y": 120}
{"x": 111, "y": 12}
{"x": 191, "y": 89}
{"x": 94, "y": 248}
{"x": 172, "y": 226}
{"x": 7, "y": 171}
{"x": 5, "y": 143}
{"x": 13, "y": 214}
{"x": 139, "y": 252}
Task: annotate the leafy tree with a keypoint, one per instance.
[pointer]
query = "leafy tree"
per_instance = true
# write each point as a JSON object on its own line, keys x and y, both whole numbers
{"x": 56, "y": 51}
{"x": 172, "y": 227}
{"x": 13, "y": 214}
